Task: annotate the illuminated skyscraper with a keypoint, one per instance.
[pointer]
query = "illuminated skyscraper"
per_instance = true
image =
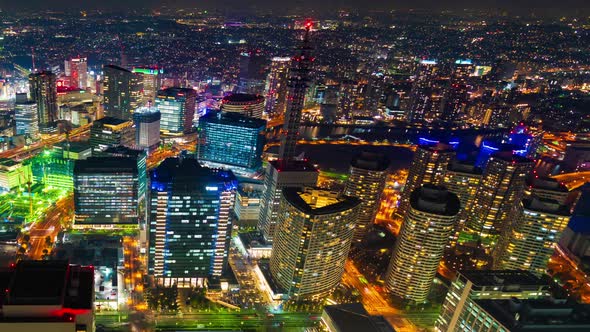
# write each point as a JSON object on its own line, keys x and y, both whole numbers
{"x": 43, "y": 91}
{"x": 498, "y": 195}
{"x": 428, "y": 167}
{"x": 190, "y": 224}
{"x": 232, "y": 140}
{"x": 245, "y": 104}
{"x": 455, "y": 95}
{"x": 420, "y": 245}
{"x": 276, "y": 86}
{"x": 110, "y": 192}
{"x": 530, "y": 242}
{"x": 77, "y": 70}
{"x": 177, "y": 106}
{"x": 26, "y": 117}
{"x": 122, "y": 92}
{"x": 151, "y": 82}
{"x": 366, "y": 180}
{"x": 147, "y": 127}
{"x": 421, "y": 94}
{"x": 462, "y": 179}
{"x": 315, "y": 232}
{"x": 469, "y": 286}
{"x": 286, "y": 171}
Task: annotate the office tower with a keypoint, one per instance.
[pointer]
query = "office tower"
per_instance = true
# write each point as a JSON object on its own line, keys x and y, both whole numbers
{"x": 247, "y": 207}
{"x": 43, "y": 91}
{"x": 177, "y": 106}
{"x": 150, "y": 77}
{"x": 499, "y": 193}
{"x": 77, "y": 70}
{"x": 351, "y": 317}
{"x": 421, "y": 93}
{"x": 110, "y": 192}
{"x": 286, "y": 171}
{"x": 455, "y": 95}
{"x": 111, "y": 131}
{"x": 530, "y": 242}
{"x": 190, "y": 223}
{"x": 276, "y": 86}
{"x": 420, "y": 245}
{"x": 428, "y": 166}
{"x": 147, "y": 127}
{"x": 231, "y": 140}
{"x": 366, "y": 181}
{"x": 297, "y": 173}
{"x": 122, "y": 92}
{"x": 312, "y": 241}
{"x": 462, "y": 179}
{"x": 26, "y": 117}
{"x": 252, "y": 72}
{"x": 471, "y": 286}
{"x": 47, "y": 296}
{"x": 245, "y": 104}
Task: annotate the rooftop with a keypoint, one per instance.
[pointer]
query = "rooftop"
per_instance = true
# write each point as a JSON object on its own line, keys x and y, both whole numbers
{"x": 317, "y": 201}
{"x": 233, "y": 119}
{"x": 243, "y": 98}
{"x": 370, "y": 161}
{"x": 464, "y": 167}
{"x": 502, "y": 278}
{"x": 436, "y": 200}
{"x": 538, "y": 315}
{"x": 545, "y": 205}
{"x": 106, "y": 165}
{"x": 508, "y": 156}
{"x": 352, "y": 317}
{"x": 293, "y": 166}
{"x": 109, "y": 120}
{"x": 176, "y": 92}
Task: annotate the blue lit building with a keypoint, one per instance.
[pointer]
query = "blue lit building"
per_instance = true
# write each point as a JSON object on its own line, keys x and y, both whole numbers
{"x": 489, "y": 147}
{"x": 232, "y": 140}
{"x": 177, "y": 109}
{"x": 189, "y": 223}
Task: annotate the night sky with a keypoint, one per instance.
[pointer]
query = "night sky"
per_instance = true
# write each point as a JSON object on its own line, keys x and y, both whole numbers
{"x": 511, "y": 6}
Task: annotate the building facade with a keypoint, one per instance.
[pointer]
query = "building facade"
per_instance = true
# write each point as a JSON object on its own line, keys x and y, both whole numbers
{"x": 245, "y": 104}
{"x": 314, "y": 235}
{"x": 109, "y": 131}
{"x": 43, "y": 91}
{"x": 147, "y": 127}
{"x": 177, "y": 107}
{"x": 122, "y": 92}
{"x": 26, "y": 118}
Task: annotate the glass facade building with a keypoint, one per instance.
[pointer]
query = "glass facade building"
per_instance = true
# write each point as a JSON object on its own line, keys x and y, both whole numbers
{"x": 43, "y": 91}
{"x": 177, "y": 109}
{"x": 26, "y": 118}
{"x": 122, "y": 92}
{"x": 232, "y": 140}
{"x": 109, "y": 131}
{"x": 189, "y": 223}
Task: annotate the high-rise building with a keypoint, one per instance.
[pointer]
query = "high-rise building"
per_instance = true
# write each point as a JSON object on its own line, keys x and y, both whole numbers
{"x": 276, "y": 86}
{"x": 533, "y": 236}
{"x": 190, "y": 222}
{"x": 421, "y": 93}
{"x": 428, "y": 166}
{"x": 122, "y": 92}
{"x": 14, "y": 174}
{"x": 47, "y": 296}
{"x": 43, "y": 91}
{"x": 26, "y": 118}
{"x": 177, "y": 106}
{"x": 245, "y": 104}
{"x": 470, "y": 286}
{"x": 462, "y": 179}
{"x": 421, "y": 242}
{"x": 366, "y": 181}
{"x": 550, "y": 188}
{"x": 110, "y": 192}
{"x": 287, "y": 171}
{"x": 252, "y": 72}
{"x": 111, "y": 131}
{"x": 455, "y": 95}
{"x": 314, "y": 235}
{"x": 77, "y": 70}
{"x": 147, "y": 127}
{"x": 499, "y": 193}
{"x": 151, "y": 82}
{"x": 278, "y": 176}
{"x": 232, "y": 140}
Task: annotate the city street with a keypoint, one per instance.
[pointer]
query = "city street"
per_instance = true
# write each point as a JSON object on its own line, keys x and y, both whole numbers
{"x": 55, "y": 219}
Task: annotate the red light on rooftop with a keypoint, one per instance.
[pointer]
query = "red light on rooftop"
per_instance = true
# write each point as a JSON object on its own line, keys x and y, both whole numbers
{"x": 308, "y": 24}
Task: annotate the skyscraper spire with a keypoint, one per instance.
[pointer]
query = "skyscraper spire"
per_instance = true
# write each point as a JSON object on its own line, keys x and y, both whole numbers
{"x": 298, "y": 78}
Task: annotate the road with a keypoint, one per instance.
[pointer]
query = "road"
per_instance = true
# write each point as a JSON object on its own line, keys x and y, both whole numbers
{"x": 573, "y": 180}
{"x": 385, "y": 215}
{"x": 28, "y": 151}
{"x": 373, "y": 300}
{"x": 55, "y": 219}
{"x": 576, "y": 281}
{"x": 251, "y": 295}
{"x": 235, "y": 321}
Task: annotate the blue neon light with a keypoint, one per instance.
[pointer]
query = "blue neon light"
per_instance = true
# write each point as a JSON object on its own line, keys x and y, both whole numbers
{"x": 427, "y": 141}
{"x": 489, "y": 147}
